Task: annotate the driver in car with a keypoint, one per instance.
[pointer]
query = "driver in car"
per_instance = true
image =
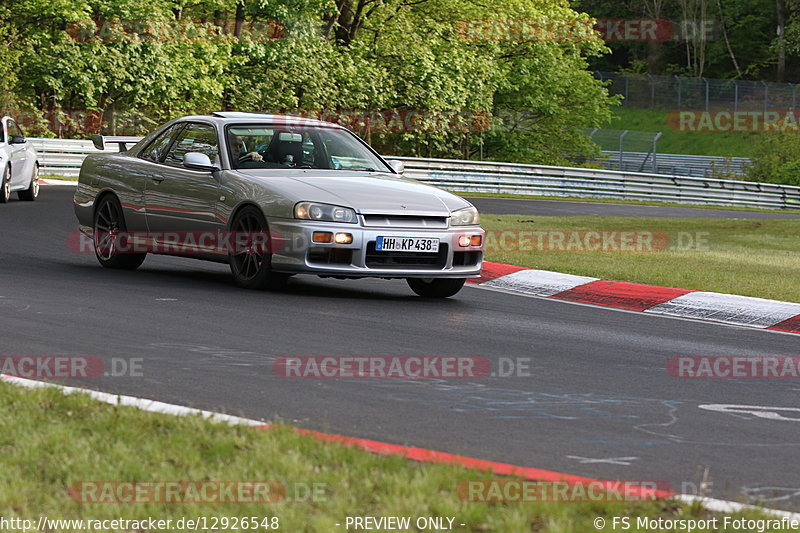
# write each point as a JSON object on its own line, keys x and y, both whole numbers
{"x": 238, "y": 147}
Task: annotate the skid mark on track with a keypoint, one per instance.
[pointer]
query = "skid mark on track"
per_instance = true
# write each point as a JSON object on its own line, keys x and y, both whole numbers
{"x": 518, "y": 404}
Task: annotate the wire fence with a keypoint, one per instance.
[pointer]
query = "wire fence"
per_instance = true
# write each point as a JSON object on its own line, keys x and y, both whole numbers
{"x": 615, "y": 144}
{"x": 676, "y": 93}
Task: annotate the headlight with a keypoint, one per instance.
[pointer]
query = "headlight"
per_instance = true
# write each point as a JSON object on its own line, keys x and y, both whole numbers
{"x": 324, "y": 212}
{"x": 465, "y": 217}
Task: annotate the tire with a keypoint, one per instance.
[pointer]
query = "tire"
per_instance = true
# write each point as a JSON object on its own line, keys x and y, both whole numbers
{"x": 32, "y": 192}
{"x": 108, "y": 223}
{"x": 252, "y": 269}
{"x": 435, "y": 288}
{"x": 5, "y": 186}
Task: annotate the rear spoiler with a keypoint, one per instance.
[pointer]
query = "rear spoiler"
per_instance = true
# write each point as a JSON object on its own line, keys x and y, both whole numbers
{"x": 100, "y": 141}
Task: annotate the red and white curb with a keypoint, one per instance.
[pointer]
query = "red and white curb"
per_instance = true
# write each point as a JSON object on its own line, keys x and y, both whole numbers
{"x": 712, "y": 306}
{"x": 416, "y": 454}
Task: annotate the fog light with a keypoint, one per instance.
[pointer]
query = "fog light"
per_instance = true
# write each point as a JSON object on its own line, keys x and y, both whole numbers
{"x": 343, "y": 238}
{"x": 475, "y": 240}
{"x": 321, "y": 236}
{"x": 463, "y": 241}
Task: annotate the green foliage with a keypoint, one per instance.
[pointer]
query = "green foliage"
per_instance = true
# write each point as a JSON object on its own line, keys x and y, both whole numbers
{"x": 10, "y": 63}
{"x": 741, "y": 44}
{"x": 776, "y": 159}
{"x": 116, "y": 58}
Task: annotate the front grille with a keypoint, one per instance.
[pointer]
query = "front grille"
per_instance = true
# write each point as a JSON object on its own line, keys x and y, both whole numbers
{"x": 375, "y": 259}
{"x": 405, "y": 221}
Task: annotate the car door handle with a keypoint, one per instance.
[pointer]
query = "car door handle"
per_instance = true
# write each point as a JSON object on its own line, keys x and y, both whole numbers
{"x": 157, "y": 180}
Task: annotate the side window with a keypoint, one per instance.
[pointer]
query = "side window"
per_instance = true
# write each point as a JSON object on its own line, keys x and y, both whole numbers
{"x": 194, "y": 138}
{"x": 343, "y": 155}
{"x": 155, "y": 150}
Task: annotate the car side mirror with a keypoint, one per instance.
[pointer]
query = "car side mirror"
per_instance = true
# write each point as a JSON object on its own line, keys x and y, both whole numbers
{"x": 17, "y": 139}
{"x": 198, "y": 161}
{"x": 397, "y": 165}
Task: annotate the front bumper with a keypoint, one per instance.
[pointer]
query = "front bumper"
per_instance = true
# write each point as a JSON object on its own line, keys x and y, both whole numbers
{"x": 294, "y": 252}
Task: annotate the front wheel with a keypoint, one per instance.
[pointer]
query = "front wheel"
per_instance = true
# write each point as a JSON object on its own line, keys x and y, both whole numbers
{"x": 32, "y": 192}
{"x": 251, "y": 261}
{"x": 435, "y": 288}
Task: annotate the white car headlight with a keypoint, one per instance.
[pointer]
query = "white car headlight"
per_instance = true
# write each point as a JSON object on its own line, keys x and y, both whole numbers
{"x": 465, "y": 217}
{"x": 325, "y": 212}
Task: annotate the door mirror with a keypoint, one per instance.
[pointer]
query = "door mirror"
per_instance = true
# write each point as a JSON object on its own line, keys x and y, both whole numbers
{"x": 17, "y": 139}
{"x": 397, "y": 165}
{"x": 198, "y": 161}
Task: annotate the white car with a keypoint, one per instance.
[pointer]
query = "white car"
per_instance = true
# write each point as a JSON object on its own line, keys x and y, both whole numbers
{"x": 18, "y": 165}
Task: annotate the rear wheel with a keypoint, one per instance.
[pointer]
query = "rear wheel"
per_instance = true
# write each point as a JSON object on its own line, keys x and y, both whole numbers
{"x": 250, "y": 262}
{"x": 110, "y": 239}
{"x": 5, "y": 186}
{"x": 435, "y": 288}
{"x": 32, "y": 192}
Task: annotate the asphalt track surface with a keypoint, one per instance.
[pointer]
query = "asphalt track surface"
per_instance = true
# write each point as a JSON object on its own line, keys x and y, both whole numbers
{"x": 597, "y": 401}
{"x": 521, "y": 206}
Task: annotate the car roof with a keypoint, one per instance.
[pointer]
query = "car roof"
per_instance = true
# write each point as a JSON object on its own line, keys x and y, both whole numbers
{"x": 229, "y": 117}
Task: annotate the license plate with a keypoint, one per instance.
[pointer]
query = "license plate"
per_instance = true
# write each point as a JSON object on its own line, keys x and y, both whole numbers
{"x": 406, "y": 244}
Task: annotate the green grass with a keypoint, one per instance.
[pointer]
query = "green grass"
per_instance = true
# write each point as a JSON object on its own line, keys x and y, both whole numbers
{"x": 50, "y": 442}
{"x": 678, "y": 142}
{"x": 751, "y": 257}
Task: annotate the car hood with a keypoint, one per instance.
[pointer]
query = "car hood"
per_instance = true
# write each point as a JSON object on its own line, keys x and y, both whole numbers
{"x": 366, "y": 192}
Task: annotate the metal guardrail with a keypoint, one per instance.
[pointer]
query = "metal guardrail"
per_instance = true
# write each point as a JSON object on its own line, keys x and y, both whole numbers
{"x": 491, "y": 177}
{"x": 64, "y": 157}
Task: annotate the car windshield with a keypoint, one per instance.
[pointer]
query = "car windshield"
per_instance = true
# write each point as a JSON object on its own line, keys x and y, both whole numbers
{"x": 281, "y": 147}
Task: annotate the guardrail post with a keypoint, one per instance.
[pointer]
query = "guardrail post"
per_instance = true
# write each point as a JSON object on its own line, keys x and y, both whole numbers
{"x": 621, "y": 137}
{"x": 735, "y": 96}
{"x": 655, "y": 152}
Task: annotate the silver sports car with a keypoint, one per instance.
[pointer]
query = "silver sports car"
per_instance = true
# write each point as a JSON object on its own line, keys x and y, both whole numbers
{"x": 18, "y": 166}
{"x": 274, "y": 196}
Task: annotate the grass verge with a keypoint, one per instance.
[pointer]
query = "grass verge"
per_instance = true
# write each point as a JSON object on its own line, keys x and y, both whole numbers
{"x": 683, "y": 142}
{"x": 50, "y": 442}
{"x": 752, "y": 257}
